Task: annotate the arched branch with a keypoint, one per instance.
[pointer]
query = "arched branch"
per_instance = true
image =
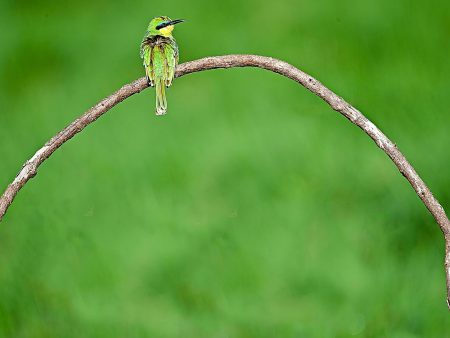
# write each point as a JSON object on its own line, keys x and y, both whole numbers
{"x": 30, "y": 167}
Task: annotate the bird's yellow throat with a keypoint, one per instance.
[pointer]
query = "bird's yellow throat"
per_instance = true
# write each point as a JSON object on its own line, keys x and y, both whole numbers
{"x": 166, "y": 31}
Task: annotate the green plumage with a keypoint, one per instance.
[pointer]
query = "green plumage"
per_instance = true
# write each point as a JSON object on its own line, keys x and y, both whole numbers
{"x": 159, "y": 52}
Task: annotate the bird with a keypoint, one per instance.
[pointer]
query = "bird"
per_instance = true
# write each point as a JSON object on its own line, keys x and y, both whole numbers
{"x": 159, "y": 53}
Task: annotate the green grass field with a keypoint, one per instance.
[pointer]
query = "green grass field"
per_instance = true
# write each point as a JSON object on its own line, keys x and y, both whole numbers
{"x": 250, "y": 210}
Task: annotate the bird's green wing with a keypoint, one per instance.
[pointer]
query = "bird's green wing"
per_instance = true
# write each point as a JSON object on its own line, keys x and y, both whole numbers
{"x": 146, "y": 55}
{"x": 171, "y": 56}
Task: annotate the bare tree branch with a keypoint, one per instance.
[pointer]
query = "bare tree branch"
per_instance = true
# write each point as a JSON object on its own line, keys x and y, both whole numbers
{"x": 30, "y": 167}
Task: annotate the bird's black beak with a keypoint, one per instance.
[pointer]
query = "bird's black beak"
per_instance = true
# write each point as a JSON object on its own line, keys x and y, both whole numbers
{"x": 174, "y": 22}
{"x": 169, "y": 23}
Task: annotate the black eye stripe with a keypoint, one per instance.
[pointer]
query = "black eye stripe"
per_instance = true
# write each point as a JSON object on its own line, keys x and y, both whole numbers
{"x": 162, "y": 25}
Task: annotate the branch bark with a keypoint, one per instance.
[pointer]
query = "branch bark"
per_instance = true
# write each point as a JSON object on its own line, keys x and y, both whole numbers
{"x": 30, "y": 167}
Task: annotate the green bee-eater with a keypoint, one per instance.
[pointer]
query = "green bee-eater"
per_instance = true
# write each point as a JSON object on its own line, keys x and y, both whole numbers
{"x": 159, "y": 52}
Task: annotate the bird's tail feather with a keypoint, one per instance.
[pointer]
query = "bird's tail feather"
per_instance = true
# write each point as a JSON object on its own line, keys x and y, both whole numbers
{"x": 161, "y": 102}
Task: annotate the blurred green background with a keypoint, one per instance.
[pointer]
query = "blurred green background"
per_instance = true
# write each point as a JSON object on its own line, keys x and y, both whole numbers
{"x": 250, "y": 210}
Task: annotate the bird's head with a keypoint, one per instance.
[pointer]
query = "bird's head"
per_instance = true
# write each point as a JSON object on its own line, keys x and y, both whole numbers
{"x": 162, "y": 25}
